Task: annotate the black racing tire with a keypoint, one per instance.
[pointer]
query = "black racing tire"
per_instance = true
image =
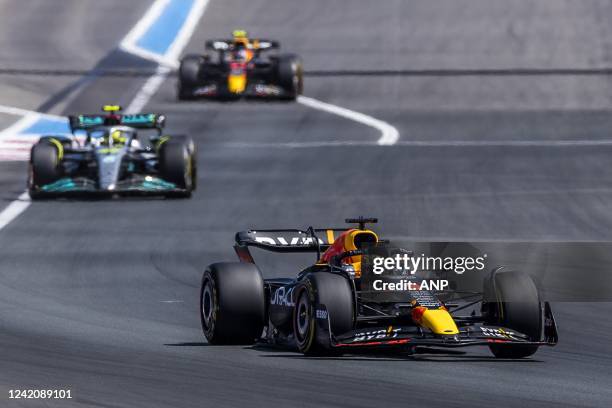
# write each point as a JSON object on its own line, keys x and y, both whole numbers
{"x": 193, "y": 152}
{"x": 177, "y": 165}
{"x": 189, "y": 76}
{"x": 512, "y": 300}
{"x": 290, "y": 75}
{"x": 45, "y": 166}
{"x": 232, "y": 303}
{"x": 332, "y": 290}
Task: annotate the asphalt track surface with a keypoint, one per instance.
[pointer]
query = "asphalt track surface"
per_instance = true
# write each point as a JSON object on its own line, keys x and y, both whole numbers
{"x": 101, "y": 297}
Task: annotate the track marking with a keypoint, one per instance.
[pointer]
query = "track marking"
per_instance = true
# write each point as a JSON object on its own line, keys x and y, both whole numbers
{"x": 294, "y": 145}
{"x": 28, "y": 129}
{"x": 389, "y": 134}
{"x": 176, "y": 43}
{"x": 128, "y": 44}
{"x": 150, "y": 87}
{"x": 13, "y": 210}
{"x": 167, "y": 61}
{"x": 422, "y": 143}
{"x": 505, "y": 143}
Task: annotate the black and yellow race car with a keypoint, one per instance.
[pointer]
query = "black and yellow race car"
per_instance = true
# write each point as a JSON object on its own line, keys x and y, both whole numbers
{"x": 113, "y": 154}
{"x": 330, "y": 306}
{"x": 240, "y": 67}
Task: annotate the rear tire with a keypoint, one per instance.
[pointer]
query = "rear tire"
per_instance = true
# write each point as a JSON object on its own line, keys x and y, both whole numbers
{"x": 189, "y": 76}
{"x": 45, "y": 160}
{"x": 512, "y": 300}
{"x": 232, "y": 303}
{"x": 177, "y": 165}
{"x": 331, "y": 290}
{"x": 290, "y": 75}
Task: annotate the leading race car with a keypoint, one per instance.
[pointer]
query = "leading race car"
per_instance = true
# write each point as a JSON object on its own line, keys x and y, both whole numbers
{"x": 328, "y": 307}
{"x": 240, "y": 67}
{"x": 108, "y": 155}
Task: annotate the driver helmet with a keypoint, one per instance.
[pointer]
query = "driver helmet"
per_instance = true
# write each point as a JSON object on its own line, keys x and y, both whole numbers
{"x": 240, "y": 37}
{"x": 118, "y": 137}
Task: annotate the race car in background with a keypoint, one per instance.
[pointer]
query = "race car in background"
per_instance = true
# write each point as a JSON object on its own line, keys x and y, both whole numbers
{"x": 108, "y": 155}
{"x": 240, "y": 67}
{"x": 327, "y": 307}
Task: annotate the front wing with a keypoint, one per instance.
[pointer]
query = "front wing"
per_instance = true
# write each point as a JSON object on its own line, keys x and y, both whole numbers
{"x": 410, "y": 336}
{"x": 136, "y": 185}
{"x": 218, "y": 90}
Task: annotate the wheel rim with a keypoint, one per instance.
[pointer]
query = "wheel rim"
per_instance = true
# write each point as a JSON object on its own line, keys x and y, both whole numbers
{"x": 303, "y": 316}
{"x": 207, "y": 304}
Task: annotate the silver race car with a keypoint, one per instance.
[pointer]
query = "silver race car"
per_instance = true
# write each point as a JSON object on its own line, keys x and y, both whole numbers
{"x": 108, "y": 154}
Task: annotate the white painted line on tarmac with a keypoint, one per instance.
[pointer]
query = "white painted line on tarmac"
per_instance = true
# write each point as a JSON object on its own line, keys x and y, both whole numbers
{"x": 505, "y": 143}
{"x": 389, "y": 134}
{"x": 294, "y": 145}
{"x": 14, "y": 209}
{"x": 185, "y": 33}
{"x": 166, "y": 61}
{"x": 149, "y": 89}
{"x": 20, "y": 125}
{"x": 420, "y": 143}
{"x": 128, "y": 44}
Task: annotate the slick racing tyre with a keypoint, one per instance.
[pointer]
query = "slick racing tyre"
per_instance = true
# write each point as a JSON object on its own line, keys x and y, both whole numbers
{"x": 512, "y": 300}
{"x": 45, "y": 168}
{"x": 333, "y": 291}
{"x": 189, "y": 76}
{"x": 192, "y": 150}
{"x": 290, "y": 75}
{"x": 178, "y": 166}
{"x": 232, "y": 303}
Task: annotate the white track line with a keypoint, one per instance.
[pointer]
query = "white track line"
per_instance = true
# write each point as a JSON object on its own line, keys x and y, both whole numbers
{"x": 185, "y": 33}
{"x": 422, "y": 143}
{"x": 149, "y": 89}
{"x": 128, "y": 44}
{"x": 170, "y": 59}
{"x": 13, "y": 210}
{"x": 16, "y": 128}
{"x": 11, "y": 110}
{"x": 389, "y": 134}
{"x": 504, "y": 143}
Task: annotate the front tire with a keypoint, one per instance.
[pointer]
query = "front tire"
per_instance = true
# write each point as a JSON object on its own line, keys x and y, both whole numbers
{"x": 189, "y": 76}
{"x": 512, "y": 300}
{"x": 290, "y": 75}
{"x": 177, "y": 165}
{"x": 45, "y": 166}
{"x": 333, "y": 291}
{"x": 232, "y": 303}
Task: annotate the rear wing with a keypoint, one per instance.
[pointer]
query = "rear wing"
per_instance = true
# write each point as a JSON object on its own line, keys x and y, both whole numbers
{"x": 256, "y": 44}
{"x": 285, "y": 241}
{"x": 136, "y": 121}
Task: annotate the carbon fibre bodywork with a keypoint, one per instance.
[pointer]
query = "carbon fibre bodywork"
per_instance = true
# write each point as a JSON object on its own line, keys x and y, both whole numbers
{"x": 374, "y": 324}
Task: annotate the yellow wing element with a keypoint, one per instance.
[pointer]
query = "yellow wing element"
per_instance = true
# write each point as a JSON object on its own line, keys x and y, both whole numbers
{"x": 237, "y": 83}
{"x": 240, "y": 34}
{"x": 439, "y": 321}
{"x": 111, "y": 108}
